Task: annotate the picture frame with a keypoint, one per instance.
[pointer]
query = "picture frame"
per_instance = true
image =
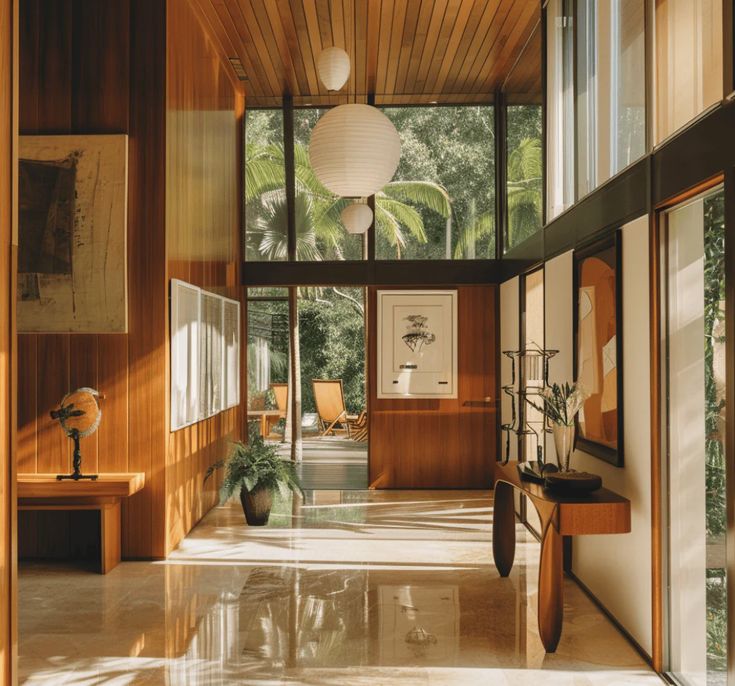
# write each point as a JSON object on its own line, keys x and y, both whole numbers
{"x": 417, "y": 344}
{"x": 72, "y": 234}
{"x": 598, "y": 347}
{"x": 205, "y": 354}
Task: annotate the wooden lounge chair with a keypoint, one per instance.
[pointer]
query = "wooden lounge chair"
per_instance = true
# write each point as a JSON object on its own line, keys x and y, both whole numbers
{"x": 280, "y": 394}
{"x": 358, "y": 429}
{"x": 329, "y": 397}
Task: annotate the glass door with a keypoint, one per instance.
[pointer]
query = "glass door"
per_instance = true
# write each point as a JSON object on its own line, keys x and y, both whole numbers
{"x": 693, "y": 291}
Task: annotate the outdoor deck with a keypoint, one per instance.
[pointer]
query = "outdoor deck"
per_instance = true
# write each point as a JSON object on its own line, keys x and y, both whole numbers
{"x": 331, "y": 463}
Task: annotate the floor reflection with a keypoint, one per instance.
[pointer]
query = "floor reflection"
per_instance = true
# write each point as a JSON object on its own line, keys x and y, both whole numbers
{"x": 347, "y": 588}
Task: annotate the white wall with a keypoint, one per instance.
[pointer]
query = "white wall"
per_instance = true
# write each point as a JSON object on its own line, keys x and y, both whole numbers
{"x": 616, "y": 568}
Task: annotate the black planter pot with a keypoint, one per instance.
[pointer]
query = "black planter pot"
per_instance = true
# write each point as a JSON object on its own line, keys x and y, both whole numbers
{"x": 256, "y": 505}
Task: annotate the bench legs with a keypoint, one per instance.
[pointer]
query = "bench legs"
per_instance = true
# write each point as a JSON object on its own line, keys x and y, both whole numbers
{"x": 110, "y": 554}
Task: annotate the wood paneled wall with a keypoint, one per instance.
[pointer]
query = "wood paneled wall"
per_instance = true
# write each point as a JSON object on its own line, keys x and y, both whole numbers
{"x": 101, "y": 67}
{"x": 203, "y": 120}
{"x": 441, "y": 443}
{"x": 8, "y": 353}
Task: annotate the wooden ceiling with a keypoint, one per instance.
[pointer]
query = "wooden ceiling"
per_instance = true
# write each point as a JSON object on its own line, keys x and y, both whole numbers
{"x": 403, "y": 51}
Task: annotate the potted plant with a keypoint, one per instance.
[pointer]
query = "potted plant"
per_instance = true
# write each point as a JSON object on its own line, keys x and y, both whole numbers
{"x": 560, "y": 405}
{"x": 255, "y": 470}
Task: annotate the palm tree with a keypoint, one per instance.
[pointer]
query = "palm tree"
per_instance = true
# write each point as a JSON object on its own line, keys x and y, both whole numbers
{"x": 319, "y": 228}
{"x": 524, "y": 190}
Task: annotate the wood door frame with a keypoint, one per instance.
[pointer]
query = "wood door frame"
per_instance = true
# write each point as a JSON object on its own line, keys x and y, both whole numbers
{"x": 659, "y": 413}
{"x": 9, "y": 38}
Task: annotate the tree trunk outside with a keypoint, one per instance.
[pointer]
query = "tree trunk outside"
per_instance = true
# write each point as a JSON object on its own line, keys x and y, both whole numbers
{"x": 294, "y": 421}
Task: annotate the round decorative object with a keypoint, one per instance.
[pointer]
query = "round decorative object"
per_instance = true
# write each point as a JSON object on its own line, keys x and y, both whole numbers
{"x": 80, "y": 411}
{"x": 79, "y": 416}
{"x": 572, "y": 483}
{"x": 354, "y": 150}
{"x": 357, "y": 218}
{"x": 333, "y": 66}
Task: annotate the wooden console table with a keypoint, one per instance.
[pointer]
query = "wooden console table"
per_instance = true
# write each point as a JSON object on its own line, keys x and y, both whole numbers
{"x": 600, "y": 512}
{"x": 44, "y": 492}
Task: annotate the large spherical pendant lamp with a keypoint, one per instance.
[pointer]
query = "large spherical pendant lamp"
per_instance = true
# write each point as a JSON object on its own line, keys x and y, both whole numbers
{"x": 354, "y": 150}
{"x": 357, "y": 218}
{"x": 333, "y": 66}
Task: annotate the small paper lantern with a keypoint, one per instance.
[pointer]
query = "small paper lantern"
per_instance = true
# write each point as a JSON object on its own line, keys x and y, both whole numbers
{"x": 357, "y": 218}
{"x": 333, "y": 66}
{"x": 354, "y": 150}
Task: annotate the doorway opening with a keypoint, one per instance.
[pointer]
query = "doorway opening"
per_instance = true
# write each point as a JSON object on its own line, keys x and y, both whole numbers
{"x": 306, "y": 360}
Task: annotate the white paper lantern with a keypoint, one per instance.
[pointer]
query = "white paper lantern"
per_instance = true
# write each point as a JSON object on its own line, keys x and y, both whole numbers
{"x": 354, "y": 150}
{"x": 357, "y": 218}
{"x": 333, "y": 66}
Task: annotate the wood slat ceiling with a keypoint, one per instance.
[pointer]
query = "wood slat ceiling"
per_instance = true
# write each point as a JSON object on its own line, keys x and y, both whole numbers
{"x": 404, "y": 51}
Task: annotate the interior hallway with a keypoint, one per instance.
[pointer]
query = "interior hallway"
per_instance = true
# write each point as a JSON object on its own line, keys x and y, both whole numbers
{"x": 361, "y": 587}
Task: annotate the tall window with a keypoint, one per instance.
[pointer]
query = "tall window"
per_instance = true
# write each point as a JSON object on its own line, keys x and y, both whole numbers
{"x": 524, "y": 174}
{"x": 688, "y": 37}
{"x": 441, "y": 203}
{"x": 596, "y": 94}
{"x": 560, "y": 106}
{"x": 320, "y": 234}
{"x": 694, "y": 243}
{"x": 266, "y": 234}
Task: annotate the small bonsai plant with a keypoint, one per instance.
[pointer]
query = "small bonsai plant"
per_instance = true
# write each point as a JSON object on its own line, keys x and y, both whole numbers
{"x": 255, "y": 470}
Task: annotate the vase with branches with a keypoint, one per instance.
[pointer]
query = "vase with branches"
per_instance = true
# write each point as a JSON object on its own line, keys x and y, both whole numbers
{"x": 560, "y": 404}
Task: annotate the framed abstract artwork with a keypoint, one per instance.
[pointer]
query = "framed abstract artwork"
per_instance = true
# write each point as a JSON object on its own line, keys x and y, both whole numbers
{"x": 72, "y": 228}
{"x": 417, "y": 344}
{"x": 598, "y": 348}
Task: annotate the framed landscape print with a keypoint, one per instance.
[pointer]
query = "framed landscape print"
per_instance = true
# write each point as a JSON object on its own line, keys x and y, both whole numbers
{"x": 598, "y": 348}
{"x": 72, "y": 227}
{"x": 417, "y": 344}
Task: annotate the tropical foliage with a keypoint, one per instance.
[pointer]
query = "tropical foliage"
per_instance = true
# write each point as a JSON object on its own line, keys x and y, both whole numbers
{"x": 524, "y": 174}
{"x": 255, "y": 465}
{"x": 715, "y": 470}
{"x": 440, "y": 205}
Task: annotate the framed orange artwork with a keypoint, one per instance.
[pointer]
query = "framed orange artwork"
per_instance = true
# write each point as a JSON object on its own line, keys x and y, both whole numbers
{"x": 598, "y": 348}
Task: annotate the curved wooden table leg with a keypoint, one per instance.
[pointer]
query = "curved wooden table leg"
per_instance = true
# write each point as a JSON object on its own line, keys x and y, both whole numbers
{"x": 504, "y": 528}
{"x": 550, "y": 583}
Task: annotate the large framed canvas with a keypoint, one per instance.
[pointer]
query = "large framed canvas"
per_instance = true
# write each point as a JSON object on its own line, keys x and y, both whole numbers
{"x": 417, "y": 344}
{"x": 72, "y": 272}
{"x": 184, "y": 354}
{"x": 598, "y": 350}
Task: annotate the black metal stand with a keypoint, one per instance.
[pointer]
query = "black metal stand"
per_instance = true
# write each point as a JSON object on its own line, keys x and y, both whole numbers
{"x": 76, "y": 475}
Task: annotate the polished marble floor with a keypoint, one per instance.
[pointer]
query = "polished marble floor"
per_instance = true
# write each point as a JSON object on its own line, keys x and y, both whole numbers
{"x": 347, "y": 588}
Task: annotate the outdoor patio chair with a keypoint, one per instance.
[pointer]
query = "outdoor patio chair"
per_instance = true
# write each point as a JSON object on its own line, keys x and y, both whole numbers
{"x": 358, "y": 429}
{"x": 330, "y": 404}
{"x": 280, "y": 395}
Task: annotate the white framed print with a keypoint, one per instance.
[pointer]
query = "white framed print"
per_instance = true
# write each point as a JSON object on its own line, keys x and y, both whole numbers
{"x": 184, "y": 354}
{"x": 417, "y": 344}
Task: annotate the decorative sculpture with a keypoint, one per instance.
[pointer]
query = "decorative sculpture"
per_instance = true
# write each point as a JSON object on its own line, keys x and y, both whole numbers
{"x": 533, "y": 378}
{"x": 79, "y": 415}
